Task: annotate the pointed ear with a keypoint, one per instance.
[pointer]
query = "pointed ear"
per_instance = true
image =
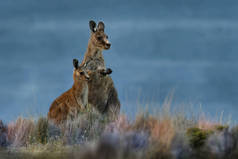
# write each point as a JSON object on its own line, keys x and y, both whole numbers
{"x": 101, "y": 26}
{"x": 76, "y": 63}
{"x": 92, "y": 26}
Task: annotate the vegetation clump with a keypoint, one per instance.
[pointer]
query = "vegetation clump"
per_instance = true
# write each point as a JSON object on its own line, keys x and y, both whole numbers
{"x": 92, "y": 135}
{"x": 221, "y": 127}
{"x": 197, "y": 137}
{"x": 42, "y": 130}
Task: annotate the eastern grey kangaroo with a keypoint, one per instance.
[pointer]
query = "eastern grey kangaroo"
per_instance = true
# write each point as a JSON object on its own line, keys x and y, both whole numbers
{"x": 71, "y": 102}
{"x": 102, "y": 93}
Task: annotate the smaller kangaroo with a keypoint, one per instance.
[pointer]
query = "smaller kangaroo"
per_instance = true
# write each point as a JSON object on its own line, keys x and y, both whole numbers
{"x": 75, "y": 99}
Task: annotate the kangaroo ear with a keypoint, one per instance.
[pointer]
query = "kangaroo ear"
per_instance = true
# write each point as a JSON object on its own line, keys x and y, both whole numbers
{"x": 101, "y": 26}
{"x": 92, "y": 26}
{"x": 76, "y": 63}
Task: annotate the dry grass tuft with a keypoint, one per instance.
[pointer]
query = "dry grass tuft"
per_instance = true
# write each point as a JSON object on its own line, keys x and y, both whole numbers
{"x": 165, "y": 135}
{"x": 163, "y": 132}
{"x": 207, "y": 125}
{"x": 19, "y": 131}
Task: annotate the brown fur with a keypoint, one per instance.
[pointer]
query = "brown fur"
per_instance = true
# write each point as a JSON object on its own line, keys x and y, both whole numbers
{"x": 102, "y": 93}
{"x": 73, "y": 100}
{"x": 70, "y": 103}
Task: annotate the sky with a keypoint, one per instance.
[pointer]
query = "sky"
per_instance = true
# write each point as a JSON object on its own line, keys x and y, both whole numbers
{"x": 158, "y": 47}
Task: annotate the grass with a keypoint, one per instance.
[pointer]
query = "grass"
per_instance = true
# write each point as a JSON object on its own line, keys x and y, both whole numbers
{"x": 166, "y": 134}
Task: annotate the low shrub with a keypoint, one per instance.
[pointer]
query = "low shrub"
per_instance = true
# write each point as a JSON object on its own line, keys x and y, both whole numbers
{"x": 197, "y": 137}
{"x": 41, "y": 130}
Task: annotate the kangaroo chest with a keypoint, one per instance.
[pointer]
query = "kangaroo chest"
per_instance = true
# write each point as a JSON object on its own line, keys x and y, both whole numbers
{"x": 98, "y": 85}
{"x": 81, "y": 96}
{"x": 94, "y": 64}
{"x": 94, "y": 61}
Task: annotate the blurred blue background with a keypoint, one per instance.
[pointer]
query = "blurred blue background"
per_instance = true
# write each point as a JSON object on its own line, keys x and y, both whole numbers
{"x": 189, "y": 47}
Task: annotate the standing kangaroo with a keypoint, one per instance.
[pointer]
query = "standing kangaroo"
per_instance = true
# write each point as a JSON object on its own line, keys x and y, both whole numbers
{"x": 75, "y": 99}
{"x": 102, "y": 93}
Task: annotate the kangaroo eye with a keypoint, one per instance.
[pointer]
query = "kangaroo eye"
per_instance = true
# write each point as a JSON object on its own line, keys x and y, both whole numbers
{"x": 81, "y": 73}
{"x": 107, "y": 37}
{"x": 99, "y": 38}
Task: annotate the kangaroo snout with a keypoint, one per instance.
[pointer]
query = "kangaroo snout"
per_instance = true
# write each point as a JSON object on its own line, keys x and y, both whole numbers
{"x": 108, "y": 45}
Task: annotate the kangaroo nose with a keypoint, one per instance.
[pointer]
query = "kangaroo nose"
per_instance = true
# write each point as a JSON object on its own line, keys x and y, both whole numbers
{"x": 108, "y": 45}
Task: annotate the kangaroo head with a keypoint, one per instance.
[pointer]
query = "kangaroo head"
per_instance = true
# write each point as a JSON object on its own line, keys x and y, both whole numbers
{"x": 79, "y": 72}
{"x": 98, "y": 38}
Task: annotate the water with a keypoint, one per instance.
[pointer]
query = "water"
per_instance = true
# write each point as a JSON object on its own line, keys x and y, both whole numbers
{"x": 157, "y": 47}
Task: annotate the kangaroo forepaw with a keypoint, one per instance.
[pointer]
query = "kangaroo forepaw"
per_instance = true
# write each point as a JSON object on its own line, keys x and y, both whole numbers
{"x": 108, "y": 71}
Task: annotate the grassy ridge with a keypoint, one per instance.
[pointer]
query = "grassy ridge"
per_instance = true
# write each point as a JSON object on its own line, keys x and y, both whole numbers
{"x": 164, "y": 135}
